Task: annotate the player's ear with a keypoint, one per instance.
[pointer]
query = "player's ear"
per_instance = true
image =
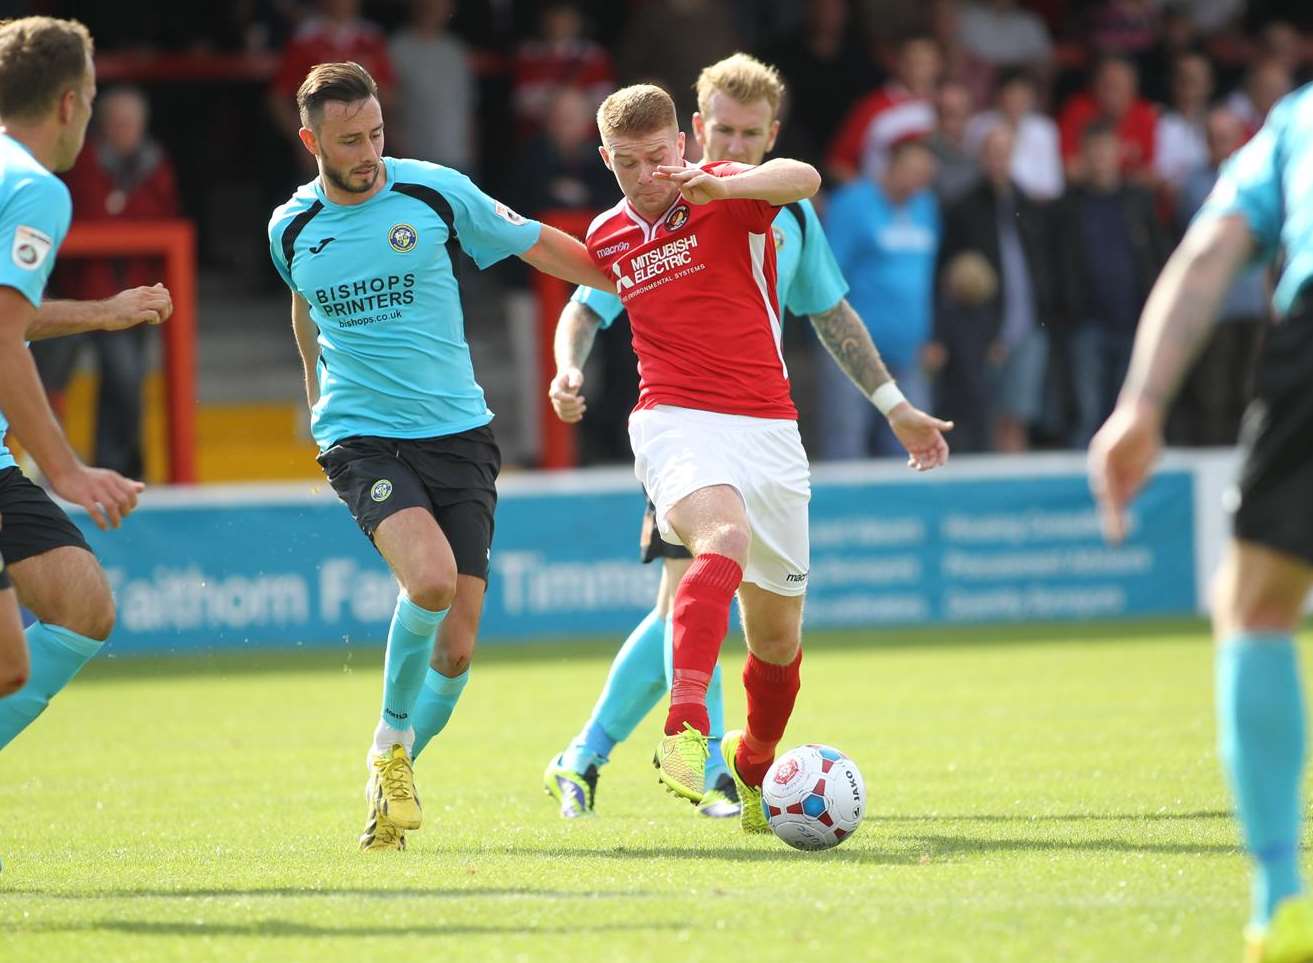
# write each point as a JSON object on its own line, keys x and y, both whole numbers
{"x": 308, "y": 140}
{"x": 606, "y": 156}
{"x": 700, "y": 129}
{"x": 770, "y": 137}
{"x": 680, "y": 141}
{"x": 67, "y": 105}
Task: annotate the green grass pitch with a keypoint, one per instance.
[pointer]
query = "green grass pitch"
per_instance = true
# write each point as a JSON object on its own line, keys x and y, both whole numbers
{"x": 1046, "y": 794}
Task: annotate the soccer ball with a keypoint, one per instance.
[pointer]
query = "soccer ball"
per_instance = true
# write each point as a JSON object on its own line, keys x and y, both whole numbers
{"x": 814, "y": 797}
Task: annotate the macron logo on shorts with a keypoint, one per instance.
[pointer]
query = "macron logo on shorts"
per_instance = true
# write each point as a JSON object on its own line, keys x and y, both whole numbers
{"x": 795, "y": 577}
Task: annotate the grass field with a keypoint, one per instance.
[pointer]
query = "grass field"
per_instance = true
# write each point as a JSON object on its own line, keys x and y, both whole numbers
{"x": 1046, "y": 795}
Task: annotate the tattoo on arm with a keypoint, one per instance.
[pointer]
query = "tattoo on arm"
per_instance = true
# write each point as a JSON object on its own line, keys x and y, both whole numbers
{"x": 575, "y": 334}
{"x": 845, "y": 336}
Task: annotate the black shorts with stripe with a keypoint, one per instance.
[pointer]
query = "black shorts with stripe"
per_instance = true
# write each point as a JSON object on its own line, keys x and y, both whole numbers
{"x": 1273, "y": 499}
{"x": 651, "y": 545}
{"x": 31, "y": 523}
{"x": 454, "y": 477}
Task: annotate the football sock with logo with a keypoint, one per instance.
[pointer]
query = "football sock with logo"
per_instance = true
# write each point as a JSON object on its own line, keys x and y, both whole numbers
{"x": 434, "y": 705}
{"x": 1261, "y": 739}
{"x": 635, "y": 683}
{"x": 410, "y": 644}
{"x": 771, "y": 690}
{"x": 701, "y": 616}
{"x": 56, "y": 655}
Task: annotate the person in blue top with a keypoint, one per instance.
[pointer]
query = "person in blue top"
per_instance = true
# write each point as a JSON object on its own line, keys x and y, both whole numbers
{"x": 885, "y": 233}
{"x": 1262, "y": 205}
{"x": 370, "y": 252}
{"x": 47, "y": 85}
{"x": 739, "y": 100}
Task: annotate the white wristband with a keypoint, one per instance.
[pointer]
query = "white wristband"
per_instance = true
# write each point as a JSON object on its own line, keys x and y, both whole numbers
{"x": 887, "y": 397}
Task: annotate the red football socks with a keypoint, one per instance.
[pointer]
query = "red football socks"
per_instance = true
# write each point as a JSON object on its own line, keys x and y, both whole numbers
{"x": 771, "y": 690}
{"x": 701, "y": 617}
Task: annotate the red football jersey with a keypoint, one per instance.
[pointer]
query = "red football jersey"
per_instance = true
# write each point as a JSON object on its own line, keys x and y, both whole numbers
{"x": 699, "y": 286}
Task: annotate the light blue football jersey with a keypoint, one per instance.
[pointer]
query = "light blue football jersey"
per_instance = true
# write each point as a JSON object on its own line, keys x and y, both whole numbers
{"x": 381, "y": 278}
{"x": 807, "y": 278}
{"x": 35, "y": 210}
{"x": 1269, "y": 182}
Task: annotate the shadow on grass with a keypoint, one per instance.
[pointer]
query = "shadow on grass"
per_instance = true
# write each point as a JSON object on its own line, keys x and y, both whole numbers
{"x": 267, "y": 928}
{"x": 290, "y": 892}
{"x": 1057, "y": 818}
{"x": 367, "y": 655}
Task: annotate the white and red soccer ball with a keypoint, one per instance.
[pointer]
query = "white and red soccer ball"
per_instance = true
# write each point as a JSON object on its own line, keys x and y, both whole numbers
{"x": 814, "y": 797}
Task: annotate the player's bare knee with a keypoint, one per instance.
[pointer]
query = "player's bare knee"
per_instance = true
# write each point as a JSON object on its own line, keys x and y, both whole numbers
{"x": 451, "y": 663}
{"x": 94, "y": 619}
{"x": 434, "y": 591}
{"x": 777, "y": 649}
{"x": 14, "y": 671}
{"x": 731, "y": 540}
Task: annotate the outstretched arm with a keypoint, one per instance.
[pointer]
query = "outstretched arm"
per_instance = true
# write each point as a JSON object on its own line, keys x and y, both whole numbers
{"x": 575, "y": 332}
{"x": 563, "y": 256}
{"x": 780, "y": 181}
{"x": 127, "y": 309}
{"x": 1176, "y": 321}
{"x": 844, "y": 335}
{"x": 106, "y": 495}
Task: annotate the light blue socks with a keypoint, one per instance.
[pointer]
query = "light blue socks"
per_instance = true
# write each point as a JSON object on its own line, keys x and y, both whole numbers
{"x": 410, "y": 644}
{"x": 434, "y": 706}
{"x": 56, "y": 655}
{"x": 1260, "y": 722}
{"x": 634, "y": 685}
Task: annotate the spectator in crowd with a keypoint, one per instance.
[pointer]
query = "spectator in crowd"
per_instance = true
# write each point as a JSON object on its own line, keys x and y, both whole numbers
{"x": 559, "y": 167}
{"x": 825, "y": 70}
{"x": 337, "y": 33}
{"x": 692, "y": 34}
{"x": 559, "y": 56}
{"x": 1113, "y": 99}
{"x": 958, "y": 171}
{"x": 1036, "y": 160}
{"x": 1124, "y": 28}
{"x": 1001, "y": 33}
{"x": 1281, "y": 41}
{"x": 122, "y": 175}
{"x": 1179, "y": 142}
{"x": 885, "y": 233}
{"x": 435, "y": 90}
{"x": 965, "y": 315}
{"x": 1177, "y": 36}
{"x": 1006, "y": 342}
{"x": 1266, "y": 82}
{"x": 1114, "y": 249}
{"x": 904, "y": 105}
{"x": 1216, "y": 391}
{"x": 959, "y": 63}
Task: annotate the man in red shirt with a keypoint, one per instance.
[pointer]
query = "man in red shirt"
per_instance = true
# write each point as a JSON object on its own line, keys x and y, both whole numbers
{"x": 1113, "y": 97}
{"x": 714, "y": 432}
{"x": 337, "y": 35}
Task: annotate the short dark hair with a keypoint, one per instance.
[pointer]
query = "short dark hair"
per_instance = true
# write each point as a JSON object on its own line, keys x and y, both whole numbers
{"x": 40, "y": 58}
{"x": 344, "y": 83}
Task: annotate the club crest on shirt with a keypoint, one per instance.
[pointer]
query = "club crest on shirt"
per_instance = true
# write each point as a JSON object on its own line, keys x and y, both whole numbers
{"x": 779, "y": 237}
{"x": 381, "y": 491}
{"x": 403, "y": 238}
{"x": 677, "y": 218}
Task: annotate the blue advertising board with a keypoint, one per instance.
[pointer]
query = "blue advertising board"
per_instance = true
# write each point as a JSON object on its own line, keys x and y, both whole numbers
{"x": 194, "y": 573}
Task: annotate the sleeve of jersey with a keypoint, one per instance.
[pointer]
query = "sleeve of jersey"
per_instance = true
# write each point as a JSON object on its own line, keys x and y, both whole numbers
{"x": 607, "y": 307}
{"x": 32, "y": 227}
{"x": 818, "y": 284}
{"x": 284, "y": 270}
{"x": 756, "y": 215}
{"x": 487, "y": 229}
{"x": 1250, "y": 185}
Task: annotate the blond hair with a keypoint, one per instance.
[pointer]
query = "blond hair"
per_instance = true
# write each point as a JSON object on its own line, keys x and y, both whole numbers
{"x": 743, "y": 78}
{"x": 40, "y": 59}
{"x": 640, "y": 109}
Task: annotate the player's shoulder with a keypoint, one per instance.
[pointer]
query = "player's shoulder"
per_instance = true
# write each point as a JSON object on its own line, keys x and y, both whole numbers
{"x": 615, "y": 213}
{"x": 1293, "y": 107}
{"x": 408, "y": 170}
{"x": 21, "y": 174}
{"x": 305, "y": 198}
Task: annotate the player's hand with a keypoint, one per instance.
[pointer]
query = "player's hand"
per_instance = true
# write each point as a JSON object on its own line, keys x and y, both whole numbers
{"x": 567, "y": 401}
{"x": 143, "y": 305}
{"x": 1121, "y": 455}
{"x": 922, "y": 436}
{"x": 695, "y": 185}
{"x": 107, "y": 496}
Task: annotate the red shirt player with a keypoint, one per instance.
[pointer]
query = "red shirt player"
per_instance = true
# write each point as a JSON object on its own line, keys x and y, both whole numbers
{"x": 714, "y": 434}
